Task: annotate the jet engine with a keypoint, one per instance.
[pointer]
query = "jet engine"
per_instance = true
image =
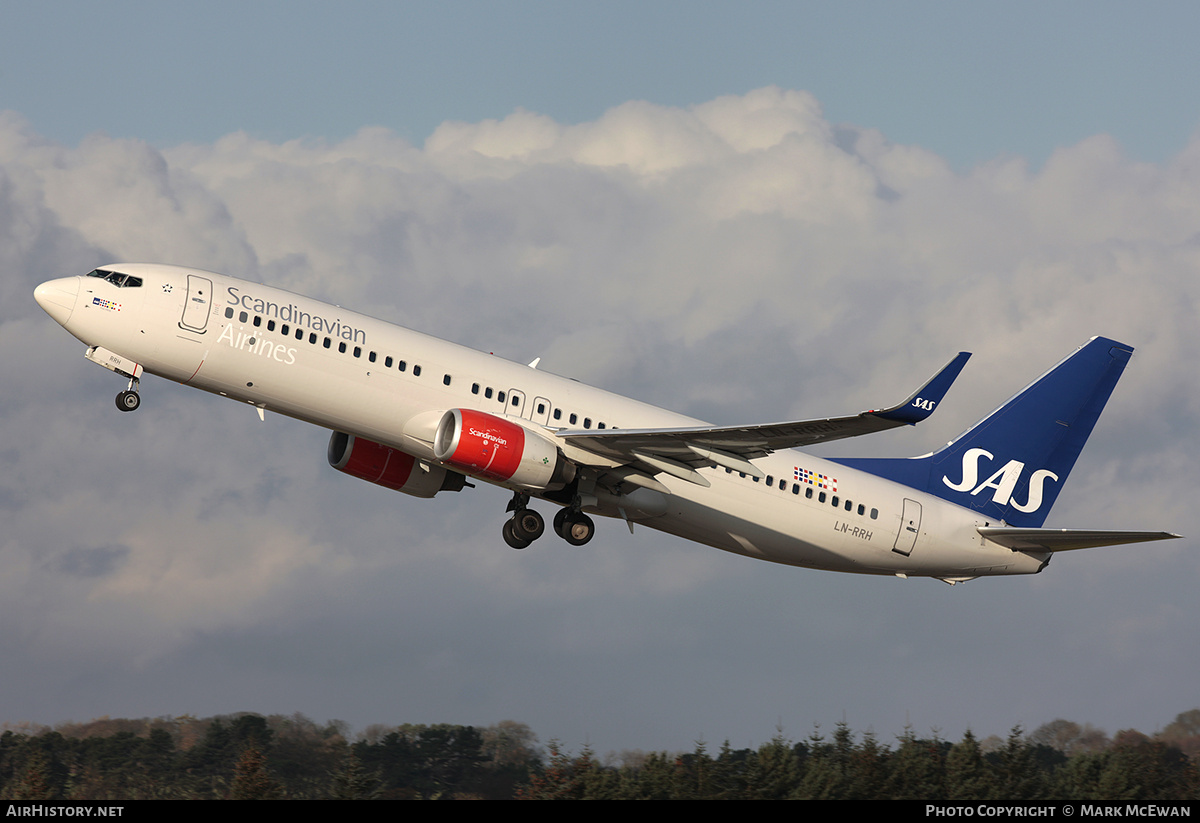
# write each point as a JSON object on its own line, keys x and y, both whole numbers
{"x": 385, "y": 466}
{"x": 494, "y": 448}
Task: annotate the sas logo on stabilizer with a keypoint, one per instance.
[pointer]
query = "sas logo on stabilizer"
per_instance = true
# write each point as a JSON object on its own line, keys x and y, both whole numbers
{"x": 927, "y": 405}
{"x": 1004, "y": 480}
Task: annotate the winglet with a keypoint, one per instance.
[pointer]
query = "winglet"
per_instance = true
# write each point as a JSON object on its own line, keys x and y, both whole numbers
{"x": 925, "y": 399}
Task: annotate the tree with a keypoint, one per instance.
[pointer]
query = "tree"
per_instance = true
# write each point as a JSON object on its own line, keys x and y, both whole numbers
{"x": 917, "y": 769}
{"x": 967, "y": 775}
{"x": 1016, "y": 768}
{"x": 251, "y": 780}
{"x": 353, "y": 782}
{"x": 33, "y": 783}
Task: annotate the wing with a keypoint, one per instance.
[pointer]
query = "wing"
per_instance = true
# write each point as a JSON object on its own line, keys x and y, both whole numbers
{"x": 1061, "y": 540}
{"x": 679, "y": 452}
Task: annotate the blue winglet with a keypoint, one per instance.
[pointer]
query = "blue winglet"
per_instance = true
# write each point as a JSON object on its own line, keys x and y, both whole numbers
{"x": 925, "y": 399}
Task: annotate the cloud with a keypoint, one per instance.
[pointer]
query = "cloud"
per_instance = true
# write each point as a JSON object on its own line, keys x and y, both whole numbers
{"x": 739, "y": 260}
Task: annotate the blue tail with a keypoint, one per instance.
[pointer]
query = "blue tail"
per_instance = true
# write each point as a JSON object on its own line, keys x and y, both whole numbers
{"x": 1011, "y": 465}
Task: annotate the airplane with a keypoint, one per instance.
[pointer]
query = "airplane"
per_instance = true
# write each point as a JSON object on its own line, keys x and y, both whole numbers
{"x": 421, "y": 415}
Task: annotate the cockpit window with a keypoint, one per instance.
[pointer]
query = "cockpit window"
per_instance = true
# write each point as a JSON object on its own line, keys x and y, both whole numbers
{"x": 116, "y": 278}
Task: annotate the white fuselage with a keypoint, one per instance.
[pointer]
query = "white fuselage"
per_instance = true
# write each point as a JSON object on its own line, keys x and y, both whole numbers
{"x": 313, "y": 361}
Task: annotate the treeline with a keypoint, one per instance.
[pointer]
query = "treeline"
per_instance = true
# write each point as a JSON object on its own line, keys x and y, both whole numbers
{"x": 249, "y": 756}
{"x": 1132, "y": 768}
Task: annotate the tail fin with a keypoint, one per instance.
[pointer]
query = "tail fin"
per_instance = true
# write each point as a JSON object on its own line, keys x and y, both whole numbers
{"x": 1011, "y": 465}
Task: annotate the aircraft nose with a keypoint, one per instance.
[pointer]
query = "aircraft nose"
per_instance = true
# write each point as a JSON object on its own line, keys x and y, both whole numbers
{"x": 57, "y": 297}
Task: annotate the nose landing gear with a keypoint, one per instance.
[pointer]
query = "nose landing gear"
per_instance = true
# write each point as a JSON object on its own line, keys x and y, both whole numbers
{"x": 129, "y": 400}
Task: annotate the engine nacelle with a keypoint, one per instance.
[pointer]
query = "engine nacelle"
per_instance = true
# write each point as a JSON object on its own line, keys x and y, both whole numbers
{"x": 493, "y": 448}
{"x": 392, "y": 468}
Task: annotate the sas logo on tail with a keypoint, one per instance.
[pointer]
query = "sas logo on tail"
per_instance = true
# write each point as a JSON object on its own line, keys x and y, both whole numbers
{"x": 1003, "y": 481}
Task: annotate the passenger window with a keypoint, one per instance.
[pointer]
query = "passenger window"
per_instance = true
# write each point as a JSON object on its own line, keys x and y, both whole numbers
{"x": 500, "y": 396}
{"x": 243, "y": 317}
{"x": 488, "y": 392}
{"x": 228, "y": 312}
{"x": 445, "y": 380}
{"x": 358, "y": 351}
{"x": 312, "y": 338}
{"x": 371, "y": 357}
{"x": 874, "y": 514}
{"x": 402, "y": 365}
{"x": 558, "y": 414}
{"x": 416, "y": 371}
{"x": 861, "y": 509}
{"x": 342, "y": 347}
{"x": 587, "y": 422}
{"x": 387, "y": 362}
{"x": 258, "y": 322}
{"x": 572, "y": 418}
{"x": 326, "y": 342}
{"x": 474, "y": 388}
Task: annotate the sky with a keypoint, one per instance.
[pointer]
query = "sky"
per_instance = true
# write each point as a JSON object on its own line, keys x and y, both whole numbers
{"x": 742, "y": 212}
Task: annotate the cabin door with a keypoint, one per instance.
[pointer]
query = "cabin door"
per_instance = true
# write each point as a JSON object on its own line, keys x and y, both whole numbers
{"x": 910, "y": 527}
{"x": 196, "y": 304}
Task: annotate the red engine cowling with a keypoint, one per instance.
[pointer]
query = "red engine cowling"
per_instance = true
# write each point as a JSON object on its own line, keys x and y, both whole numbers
{"x": 389, "y": 467}
{"x": 492, "y": 448}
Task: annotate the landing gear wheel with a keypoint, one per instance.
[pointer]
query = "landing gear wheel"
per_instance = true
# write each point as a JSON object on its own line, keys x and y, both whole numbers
{"x": 528, "y": 525}
{"x": 128, "y": 401}
{"x": 511, "y": 537}
{"x": 577, "y": 528}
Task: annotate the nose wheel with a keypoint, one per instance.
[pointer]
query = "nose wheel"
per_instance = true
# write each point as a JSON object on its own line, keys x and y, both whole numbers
{"x": 129, "y": 400}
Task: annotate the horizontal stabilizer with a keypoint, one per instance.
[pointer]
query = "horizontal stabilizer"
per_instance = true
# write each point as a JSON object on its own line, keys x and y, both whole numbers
{"x": 1061, "y": 540}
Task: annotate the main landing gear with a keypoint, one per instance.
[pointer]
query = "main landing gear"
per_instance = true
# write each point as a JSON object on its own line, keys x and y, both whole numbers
{"x": 129, "y": 399}
{"x": 526, "y": 525}
{"x": 574, "y": 526}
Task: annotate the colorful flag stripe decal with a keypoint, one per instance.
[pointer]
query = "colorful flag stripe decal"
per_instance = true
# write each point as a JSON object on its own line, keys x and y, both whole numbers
{"x": 811, "y": 478}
